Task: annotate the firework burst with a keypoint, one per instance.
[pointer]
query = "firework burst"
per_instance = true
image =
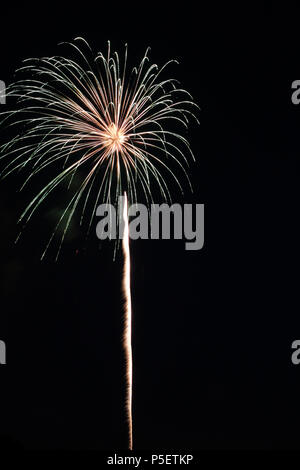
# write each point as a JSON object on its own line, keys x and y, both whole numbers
{"x": 89, "y": 116}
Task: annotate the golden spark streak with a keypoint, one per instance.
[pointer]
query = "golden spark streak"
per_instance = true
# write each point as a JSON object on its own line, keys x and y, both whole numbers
{"x": 127, "y": 322}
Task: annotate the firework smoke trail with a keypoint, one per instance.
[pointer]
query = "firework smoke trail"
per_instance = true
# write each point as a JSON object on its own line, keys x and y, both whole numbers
{"x": 127, "y": 342}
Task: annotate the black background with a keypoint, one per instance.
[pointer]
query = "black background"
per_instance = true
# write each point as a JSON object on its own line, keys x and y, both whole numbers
{"x": 212, "y": 328}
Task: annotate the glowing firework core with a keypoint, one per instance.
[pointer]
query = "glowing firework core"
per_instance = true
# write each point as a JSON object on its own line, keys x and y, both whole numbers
{"x": 114, "y": 138}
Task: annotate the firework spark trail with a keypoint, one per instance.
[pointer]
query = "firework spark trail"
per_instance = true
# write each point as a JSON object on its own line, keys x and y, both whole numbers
{"x": 127, "y": 342}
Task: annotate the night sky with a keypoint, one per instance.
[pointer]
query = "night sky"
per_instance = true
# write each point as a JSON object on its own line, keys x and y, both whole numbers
{"x": 212, "y": 329}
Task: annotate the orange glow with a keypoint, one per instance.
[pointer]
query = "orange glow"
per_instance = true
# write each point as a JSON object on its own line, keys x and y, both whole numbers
{"x": 114, "y": 138}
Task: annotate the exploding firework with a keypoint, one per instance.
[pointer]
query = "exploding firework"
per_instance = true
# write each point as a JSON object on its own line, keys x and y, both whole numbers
{"x": 89, "y": 117}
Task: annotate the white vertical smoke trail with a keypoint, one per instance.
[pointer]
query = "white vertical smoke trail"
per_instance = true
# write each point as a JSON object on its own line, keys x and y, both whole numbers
{"x": 127, "y": 321}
